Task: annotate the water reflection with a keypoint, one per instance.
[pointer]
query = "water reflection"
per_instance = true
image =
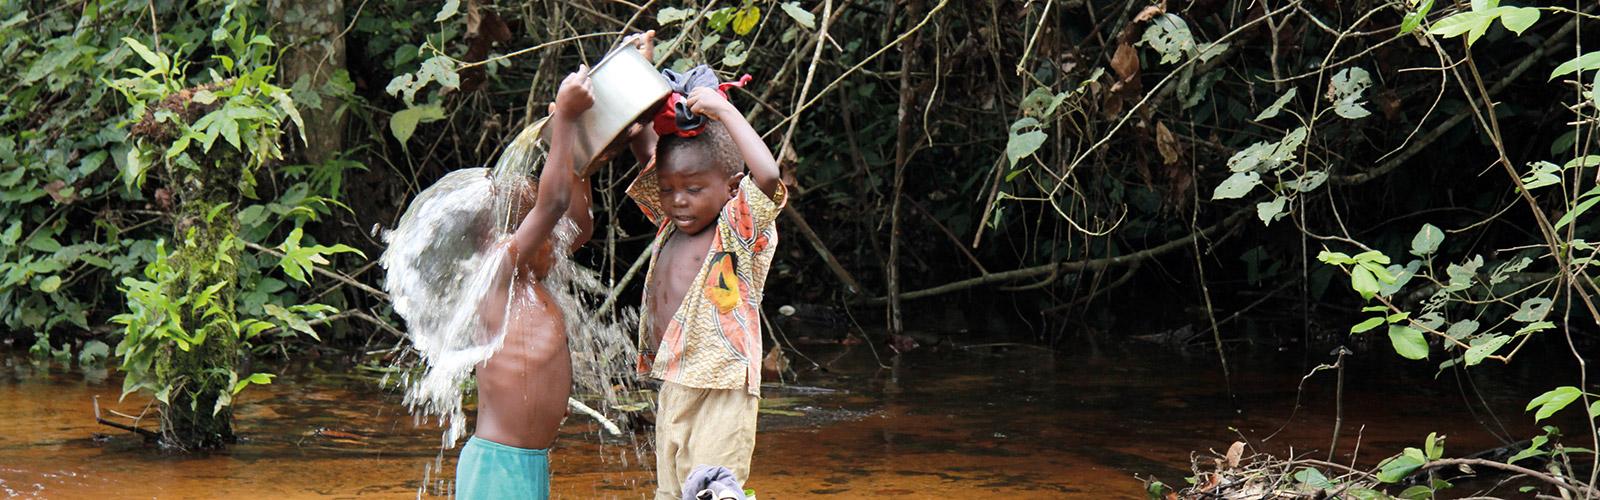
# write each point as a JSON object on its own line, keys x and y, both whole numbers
{"x": 939, "y": 423}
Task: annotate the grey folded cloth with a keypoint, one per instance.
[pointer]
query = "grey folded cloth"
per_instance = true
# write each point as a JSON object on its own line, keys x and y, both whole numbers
{"x": 682, "y": 83}
{"x": 712, "y": 482}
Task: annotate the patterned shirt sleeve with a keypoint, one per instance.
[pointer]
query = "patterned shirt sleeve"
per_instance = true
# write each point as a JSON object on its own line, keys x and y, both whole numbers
{"x": 752, "y": 211}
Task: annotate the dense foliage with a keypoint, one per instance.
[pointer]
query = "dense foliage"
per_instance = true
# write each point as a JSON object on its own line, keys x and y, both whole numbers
{"x": 1040, "y": 155}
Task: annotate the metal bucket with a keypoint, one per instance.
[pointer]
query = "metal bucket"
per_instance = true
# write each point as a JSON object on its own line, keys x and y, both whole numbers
{"x": 626, "y": 86}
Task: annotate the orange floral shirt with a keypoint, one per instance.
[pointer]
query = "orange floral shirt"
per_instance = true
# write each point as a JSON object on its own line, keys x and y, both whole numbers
{"x": 714, "y": 339}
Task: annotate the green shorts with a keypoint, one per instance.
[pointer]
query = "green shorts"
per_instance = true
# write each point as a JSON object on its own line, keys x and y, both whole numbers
{"x": 488, "y": 469}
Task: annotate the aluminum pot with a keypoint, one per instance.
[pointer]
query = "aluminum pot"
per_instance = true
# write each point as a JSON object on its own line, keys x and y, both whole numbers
{"x": 625, "y": 86}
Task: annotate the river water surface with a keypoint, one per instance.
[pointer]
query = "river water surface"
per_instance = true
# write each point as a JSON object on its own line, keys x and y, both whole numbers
{"x": 939, "y": 422}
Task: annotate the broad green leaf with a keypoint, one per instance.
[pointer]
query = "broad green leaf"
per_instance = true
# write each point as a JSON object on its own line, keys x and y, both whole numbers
{"x": 403, "y": 123}
{"x": 1426, "y": 241}
{"x": 1269, "y": 211}
{"x": 1585, "y": 62}
{"x": 1576, "y": 211}
{"x": 1022, "y": 145}
{"x": 735, "y": 53}
{"x": 1346, "y": 88}
{"x": 1534, "y": 449}
{"x": 1461, "y": 329}
{"x": 1311, "y": 180}
{"x": 1532, "y": 310}
{"x": 1313, "y": 478}
{"x": 669, "y": 15}
{"x": 144, "y": 53}
{"x": 1408, "y": 342}
{"x": 1398, "y": 467}
{"x": 1553, "y": 401}
{"x": 92, "y": 352}
{"x": 800, "y": 15}
{"x": 1518, "y": 19}
{"x": 1236, "y": 186}
{"x": 1334, "y": 258}
{"x": 1276, "y": 106}
{"x": 746, "y": 19}
{"x": 1169, "y": 35}
{"x": 1582, "y": 161}
{"x": 449, "y": 9}
{"x": 1369, "y": 324}
{"x": 1460, "y": 23}
{"x": 1363, "y": 282}
{"x": 50, "y": 284}
{"x": 1483, "y": 347}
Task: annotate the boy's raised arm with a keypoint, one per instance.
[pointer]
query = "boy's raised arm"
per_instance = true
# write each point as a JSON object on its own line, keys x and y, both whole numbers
{"x": 763, "y": 168}
{"x": 556, "y": 176}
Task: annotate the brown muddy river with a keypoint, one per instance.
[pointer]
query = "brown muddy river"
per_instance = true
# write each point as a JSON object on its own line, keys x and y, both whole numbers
{"x": 1015, "y": 422}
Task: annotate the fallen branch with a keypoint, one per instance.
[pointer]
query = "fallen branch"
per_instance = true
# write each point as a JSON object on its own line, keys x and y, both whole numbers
{"x": 148, "y": 435}
{"x": 586, "y": 410}
{"x": 1082, "y": 265}
{"x": 1582, "y": 490}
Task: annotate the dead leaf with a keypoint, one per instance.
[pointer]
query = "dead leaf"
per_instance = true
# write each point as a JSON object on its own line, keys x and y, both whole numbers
{"x": 774, "y": 364}
{"x": 55, "y": 187}
{"x": 1125, "y": 62}
{"x": 1150, "y": 12}
{"x": 1235, "y": 452}
{"x": 1167, "y": 145}
{"x": 484, "y": 30}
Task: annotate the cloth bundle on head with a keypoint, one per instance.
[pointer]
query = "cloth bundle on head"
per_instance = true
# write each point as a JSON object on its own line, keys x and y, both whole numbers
{"x": 674, "y": 118}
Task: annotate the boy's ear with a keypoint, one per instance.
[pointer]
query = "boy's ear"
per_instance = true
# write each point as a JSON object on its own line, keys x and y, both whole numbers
{"x": 733, "y": 184}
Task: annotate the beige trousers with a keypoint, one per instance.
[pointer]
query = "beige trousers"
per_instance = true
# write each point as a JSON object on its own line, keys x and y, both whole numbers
{"x": 702, "y": 427}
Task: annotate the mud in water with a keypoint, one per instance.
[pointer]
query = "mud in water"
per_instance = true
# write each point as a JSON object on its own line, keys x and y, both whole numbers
{"x": 936, "y": 423}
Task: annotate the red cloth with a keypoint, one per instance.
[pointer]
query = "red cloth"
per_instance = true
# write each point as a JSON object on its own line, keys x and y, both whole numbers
{"x": 666, "y": 120}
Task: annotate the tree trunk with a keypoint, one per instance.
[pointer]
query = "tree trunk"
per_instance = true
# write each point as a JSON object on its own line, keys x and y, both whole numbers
{"x": 902, "y": 154}
{"x": 198, "y": 412}
{"x": 310, "y": 29}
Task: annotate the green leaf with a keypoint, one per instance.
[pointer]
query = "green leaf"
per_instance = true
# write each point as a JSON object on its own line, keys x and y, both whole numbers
{"x": 403, "y": 123}
{"x": 1269, "y": 211}
{"x": 1169, "y": 35}
{"x": 1426, "y": 241}
{"x": 1313, "y": 478}
{"x": 1483, "y": 347}
{"x": 1334, "y": 258}
{"x": 1460, "y": 23}
{"x": 1398, "y": 467}
{"x": 1461, "y": 329}
{"x": 1408, "y": 342}
{"x": 1573, "y": 214}
{"x": 1532, "y": 310}
{"x": 1518, "y": 19}
{"x": 1369, "y": 324}
{"x": 1364, "y": 282}
{"x": 449, "y": 9}
{"x": 800, "y": 15}
{"x": 144, "y": 53}
{"x": 50, "y": 284}
{"x": 1585, "y": 62}
{"x": 735, "y": 53}
{"x": 1553, "y": 401}
{"x": 746, "y": 19}
{"x": 1236, "y": 186}
{"x": 1346, "y": 88}
{"x": 1432, "y": 446}
{"x": 669, "y": 15}
{"x": 1023, "y": 145}
{"x": 1276, "y": 106}
{"x": 1415, "y": 17}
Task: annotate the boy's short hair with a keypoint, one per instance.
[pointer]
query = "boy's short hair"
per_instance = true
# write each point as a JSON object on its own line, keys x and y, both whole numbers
{"x": 713, "y": 141}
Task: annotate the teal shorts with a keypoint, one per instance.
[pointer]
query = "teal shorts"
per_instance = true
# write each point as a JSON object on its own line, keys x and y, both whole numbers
{"x": 488, "y": 469}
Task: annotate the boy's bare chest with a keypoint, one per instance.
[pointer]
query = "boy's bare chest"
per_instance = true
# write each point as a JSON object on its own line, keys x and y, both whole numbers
{"x": 679, "y": 261}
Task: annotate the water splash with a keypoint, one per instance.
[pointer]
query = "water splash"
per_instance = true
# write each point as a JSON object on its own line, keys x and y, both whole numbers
{"x": 442, "y": 260}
